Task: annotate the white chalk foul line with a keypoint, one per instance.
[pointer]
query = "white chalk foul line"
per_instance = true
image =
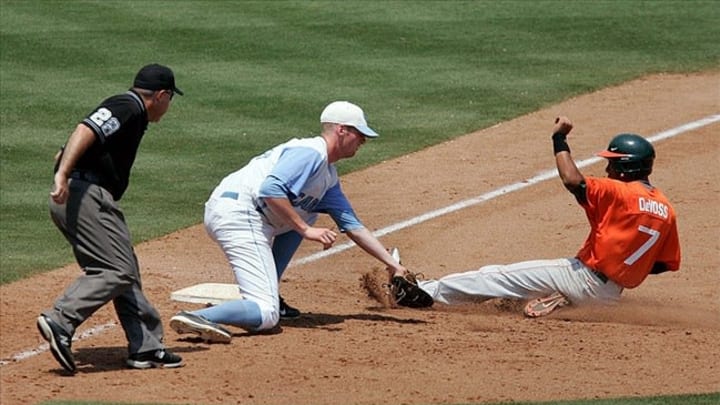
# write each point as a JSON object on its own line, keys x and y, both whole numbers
{"x": 45, "y": 347}
{"x": 540, "y": 177}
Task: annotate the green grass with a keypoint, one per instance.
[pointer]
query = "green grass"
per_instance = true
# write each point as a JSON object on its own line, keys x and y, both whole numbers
{"x": 258, "y": 73}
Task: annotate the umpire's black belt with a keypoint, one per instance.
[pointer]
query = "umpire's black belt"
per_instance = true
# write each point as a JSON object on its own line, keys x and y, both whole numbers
{"x": 83, "y": 175}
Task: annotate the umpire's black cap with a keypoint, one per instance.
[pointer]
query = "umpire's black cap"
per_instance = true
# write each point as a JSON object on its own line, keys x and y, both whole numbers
{"x": 156, "y": 77}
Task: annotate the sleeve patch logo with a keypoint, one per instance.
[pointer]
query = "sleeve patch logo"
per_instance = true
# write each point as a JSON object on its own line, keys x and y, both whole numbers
{"x": 104, "y": 119}
{"x": 110, "y": 126}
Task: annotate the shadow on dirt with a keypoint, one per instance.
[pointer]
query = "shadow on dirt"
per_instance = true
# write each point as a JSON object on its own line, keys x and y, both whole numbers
{"x": 311, "y": 320}
{"x": 103, "y": 359}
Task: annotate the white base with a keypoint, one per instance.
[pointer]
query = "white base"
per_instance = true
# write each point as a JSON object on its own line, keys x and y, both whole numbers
{"x": 207, "y": 293}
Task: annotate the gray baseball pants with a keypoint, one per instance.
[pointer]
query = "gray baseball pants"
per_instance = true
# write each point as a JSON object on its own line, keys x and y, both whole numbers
{"x": 95, "y": 227}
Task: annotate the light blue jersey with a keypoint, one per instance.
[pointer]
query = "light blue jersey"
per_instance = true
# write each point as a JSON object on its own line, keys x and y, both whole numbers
{"x": 298, "y": 170}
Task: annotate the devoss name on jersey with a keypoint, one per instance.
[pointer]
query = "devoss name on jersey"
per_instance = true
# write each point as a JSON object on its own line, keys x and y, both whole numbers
{"x": 653, "y": 207}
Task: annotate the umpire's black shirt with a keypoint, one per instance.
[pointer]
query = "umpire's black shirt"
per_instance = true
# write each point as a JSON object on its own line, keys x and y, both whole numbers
{"x": 119, "y": 123}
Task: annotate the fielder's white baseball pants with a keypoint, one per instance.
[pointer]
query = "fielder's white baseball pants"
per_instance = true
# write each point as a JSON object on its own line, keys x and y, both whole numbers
{"x": 246, "y": 240}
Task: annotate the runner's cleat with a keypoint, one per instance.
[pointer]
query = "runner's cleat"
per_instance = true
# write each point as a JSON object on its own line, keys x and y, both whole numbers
{"x": 545, "y": 305}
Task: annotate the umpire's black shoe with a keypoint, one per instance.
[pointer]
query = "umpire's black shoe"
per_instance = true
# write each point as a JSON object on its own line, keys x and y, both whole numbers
{"x": 60, "y": 342}
{"x": 286, "y": 311}
{"x": 155, "y": 358}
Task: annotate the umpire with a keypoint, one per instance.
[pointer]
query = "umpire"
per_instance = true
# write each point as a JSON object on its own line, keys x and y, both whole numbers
{"x": 91, "y": 174}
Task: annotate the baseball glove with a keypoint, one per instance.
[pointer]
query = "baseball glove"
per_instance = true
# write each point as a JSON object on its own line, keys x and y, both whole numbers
{"x": 406, "y": 292}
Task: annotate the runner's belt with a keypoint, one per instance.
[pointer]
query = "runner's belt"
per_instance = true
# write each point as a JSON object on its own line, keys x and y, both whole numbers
{"x": 600, "y": 275}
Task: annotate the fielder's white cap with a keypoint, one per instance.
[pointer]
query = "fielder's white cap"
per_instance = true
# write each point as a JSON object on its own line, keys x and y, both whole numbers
{"x": 346, "y": 113}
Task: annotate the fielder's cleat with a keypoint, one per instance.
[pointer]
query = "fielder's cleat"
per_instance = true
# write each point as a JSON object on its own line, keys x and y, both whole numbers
{"x": 286, "y": 311}
{"x": 187, "y": 322}
{"x": 545, "y": 305}
{"x": 60, "y": 342}
{"x": 161, "y": 358}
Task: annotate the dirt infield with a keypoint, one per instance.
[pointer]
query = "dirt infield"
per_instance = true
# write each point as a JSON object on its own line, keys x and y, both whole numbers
{"x": 347, "y": 349}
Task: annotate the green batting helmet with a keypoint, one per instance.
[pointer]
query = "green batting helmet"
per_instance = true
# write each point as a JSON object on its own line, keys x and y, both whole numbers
{"x": 630, "y": 155}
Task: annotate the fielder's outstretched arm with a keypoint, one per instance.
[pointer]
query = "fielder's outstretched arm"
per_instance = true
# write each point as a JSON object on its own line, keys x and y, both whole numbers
{"x": 369, "y": 243}
{"x": 284, "y": 209}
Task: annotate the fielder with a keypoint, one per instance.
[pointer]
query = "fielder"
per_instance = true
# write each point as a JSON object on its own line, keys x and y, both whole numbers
{"x": 633, "y": 233}
{"x": 260, "y": 214}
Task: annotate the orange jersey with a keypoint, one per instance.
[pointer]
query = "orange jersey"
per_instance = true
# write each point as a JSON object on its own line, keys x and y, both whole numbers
{"x": 631, "y": 228}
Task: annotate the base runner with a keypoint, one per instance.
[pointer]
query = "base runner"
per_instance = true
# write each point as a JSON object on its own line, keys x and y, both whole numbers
{"x": 633, "y": 233}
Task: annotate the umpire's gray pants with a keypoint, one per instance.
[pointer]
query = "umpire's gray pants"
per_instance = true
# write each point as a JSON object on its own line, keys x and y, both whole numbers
{"x": 95, "y": 227}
